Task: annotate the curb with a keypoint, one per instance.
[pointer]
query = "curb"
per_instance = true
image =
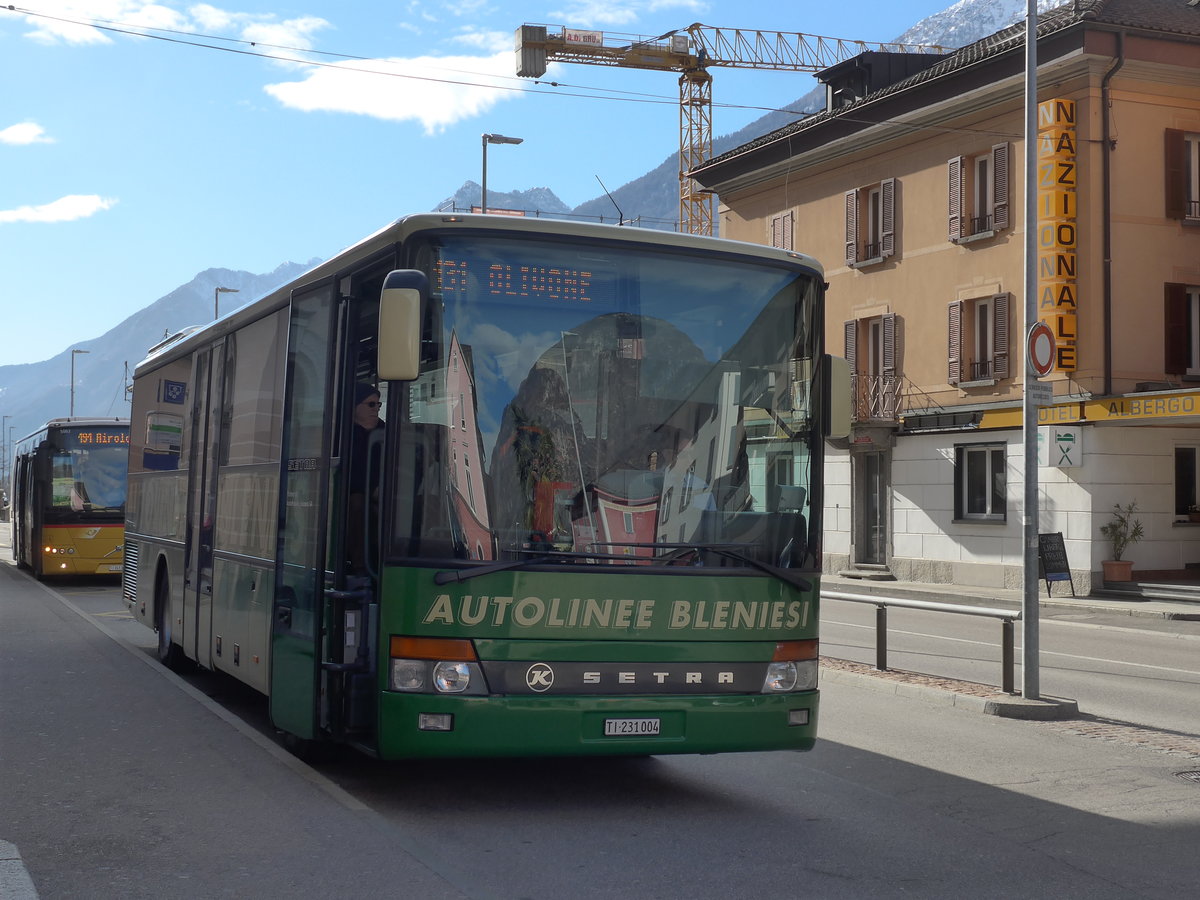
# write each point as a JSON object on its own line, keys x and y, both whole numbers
{"x": 15, "y": 883}
{"x": 999, "y": 705}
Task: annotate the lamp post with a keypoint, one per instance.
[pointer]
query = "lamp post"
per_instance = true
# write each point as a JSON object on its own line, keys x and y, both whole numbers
{"x": 3, "y": 450}
{"x": 217, "y": 292}
{"x": 73, "y": 352}
{"x": 492, "y": 139}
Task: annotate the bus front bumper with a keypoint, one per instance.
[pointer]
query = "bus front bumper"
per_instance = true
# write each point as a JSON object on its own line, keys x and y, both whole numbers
{"x": 576, "y": 725}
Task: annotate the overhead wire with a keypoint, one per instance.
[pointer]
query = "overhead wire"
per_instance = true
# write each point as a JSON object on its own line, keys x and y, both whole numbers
{"x": 177, "y": 36}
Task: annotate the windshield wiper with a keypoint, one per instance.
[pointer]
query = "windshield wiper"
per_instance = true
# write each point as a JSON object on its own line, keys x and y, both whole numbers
{"x": 458, "y": 575}
{"x": 727, "y": 551}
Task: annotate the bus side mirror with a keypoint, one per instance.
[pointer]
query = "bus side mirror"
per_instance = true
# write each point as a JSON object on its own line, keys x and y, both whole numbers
{"x": 836, "y": 396}
{"x": 400, "y": 304}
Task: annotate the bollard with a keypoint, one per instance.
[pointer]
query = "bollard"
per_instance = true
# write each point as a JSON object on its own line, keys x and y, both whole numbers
{"x": 881, "y": 638}
{"x": 1006, "y": 655}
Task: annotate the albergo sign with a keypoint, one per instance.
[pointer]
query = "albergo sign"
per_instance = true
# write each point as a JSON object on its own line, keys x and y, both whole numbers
{"x": 1058, "y": 299}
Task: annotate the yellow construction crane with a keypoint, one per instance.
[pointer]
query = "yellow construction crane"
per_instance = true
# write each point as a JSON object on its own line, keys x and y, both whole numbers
{"x": 692, "y": 51}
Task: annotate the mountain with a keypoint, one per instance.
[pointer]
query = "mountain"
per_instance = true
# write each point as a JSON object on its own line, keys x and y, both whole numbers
{"x": 653, "y": 199}
{"x": 31, "y": 393}
{"x": 34, "y": 392}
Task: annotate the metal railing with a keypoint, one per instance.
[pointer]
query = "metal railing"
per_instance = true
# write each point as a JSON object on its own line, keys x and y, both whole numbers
{"x": 875, "y": 397}
{"x": 1006, "y": 616}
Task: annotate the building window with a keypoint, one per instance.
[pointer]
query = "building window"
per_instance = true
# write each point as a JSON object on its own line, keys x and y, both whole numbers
{"x": 874, "y": 383}
{"x": 1182, "y": 332}
{"x": 980, "y": 482}
{"x": 1183, "y": 174}
{"x": 1185, "y": 480}
{"x": 780, "y": 230}
{"x": 871, "y": 223}
{"x": 979, "y": 194}
{"x": 978, "y": 338}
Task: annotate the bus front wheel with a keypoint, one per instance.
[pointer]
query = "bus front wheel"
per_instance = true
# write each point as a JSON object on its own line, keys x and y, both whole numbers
{"x": 170, "y": 654}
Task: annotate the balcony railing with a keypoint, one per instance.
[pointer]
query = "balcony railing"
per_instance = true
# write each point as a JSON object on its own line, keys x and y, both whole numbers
{"x": 875, "y": 397}
{"x": 981, "y": 370}
{"x": 980, "y": 224}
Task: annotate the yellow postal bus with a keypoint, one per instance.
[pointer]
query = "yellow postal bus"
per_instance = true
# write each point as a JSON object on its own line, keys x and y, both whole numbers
{"x": 68, "y": 497}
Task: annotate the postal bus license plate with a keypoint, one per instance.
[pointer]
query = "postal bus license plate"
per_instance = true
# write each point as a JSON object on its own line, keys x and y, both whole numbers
{"x": 631, "y": 727}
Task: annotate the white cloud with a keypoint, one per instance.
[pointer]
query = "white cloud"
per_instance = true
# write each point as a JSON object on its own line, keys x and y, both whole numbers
{"x": 435, "y": 91}
{"x": 201, "y": 17}
{"x": 289, "y": 33}
{"x": 64, "y": 209}
{"x": 25, "y": 133}
{"x": 624, "y": 12}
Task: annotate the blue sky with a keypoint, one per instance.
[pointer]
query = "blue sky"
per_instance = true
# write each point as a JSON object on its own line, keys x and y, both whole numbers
{"x": 131, "y": 163}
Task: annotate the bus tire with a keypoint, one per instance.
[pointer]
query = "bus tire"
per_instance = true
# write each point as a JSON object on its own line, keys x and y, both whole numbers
{"x": 170, "y": 654}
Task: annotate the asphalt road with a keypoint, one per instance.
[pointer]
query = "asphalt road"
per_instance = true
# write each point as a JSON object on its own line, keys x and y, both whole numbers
{"x": 119, "y": 779}
{"x": 1145, "y": 671}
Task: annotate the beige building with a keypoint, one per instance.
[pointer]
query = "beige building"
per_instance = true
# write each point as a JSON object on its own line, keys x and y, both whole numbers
{"x": 910, "y": 188}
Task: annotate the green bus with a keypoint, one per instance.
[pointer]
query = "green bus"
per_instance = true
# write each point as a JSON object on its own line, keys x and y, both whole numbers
{"x": 588, "y": 520}
{"x": 68, "y": 497}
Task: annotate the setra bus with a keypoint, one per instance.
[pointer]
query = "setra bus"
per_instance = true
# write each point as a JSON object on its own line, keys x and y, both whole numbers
{"x": 68, "y": 497}
{"x": 588, "y": 521}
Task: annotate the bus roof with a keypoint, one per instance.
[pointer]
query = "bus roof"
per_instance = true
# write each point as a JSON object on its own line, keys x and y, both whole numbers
{"x": 187, "y": 338}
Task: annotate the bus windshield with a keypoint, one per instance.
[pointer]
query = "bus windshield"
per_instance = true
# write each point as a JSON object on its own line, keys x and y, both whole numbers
{"x": 606, "y": 405}
{"x": 87, "y": 471}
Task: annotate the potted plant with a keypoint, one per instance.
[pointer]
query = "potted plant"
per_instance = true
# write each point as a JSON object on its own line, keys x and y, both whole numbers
{"x": 1122, "y": 530}
{"x": 1193, "y": 513}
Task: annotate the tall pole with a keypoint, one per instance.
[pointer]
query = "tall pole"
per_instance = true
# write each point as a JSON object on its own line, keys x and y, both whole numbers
{"x": 3, "y": 451}
{"x": 1030, "y": 687}
{"x": 217, "y": 292}
{"x": 483, "y": 191}
{"x": 73, "y": 352}
{"x": 492, "y": 139}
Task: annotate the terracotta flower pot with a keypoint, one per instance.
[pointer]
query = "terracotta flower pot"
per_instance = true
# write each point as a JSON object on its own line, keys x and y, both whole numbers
{"x": 1117, "y": 570}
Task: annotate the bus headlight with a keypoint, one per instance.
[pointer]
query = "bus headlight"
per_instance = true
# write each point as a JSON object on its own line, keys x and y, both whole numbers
{"x": 786, "y": 677}
{"x": 452, "y": 677}
{"x": 408, "y": 674}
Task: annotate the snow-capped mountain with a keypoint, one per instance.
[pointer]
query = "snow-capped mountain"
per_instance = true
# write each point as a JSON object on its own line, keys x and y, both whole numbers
{"x": 33, "y": 392}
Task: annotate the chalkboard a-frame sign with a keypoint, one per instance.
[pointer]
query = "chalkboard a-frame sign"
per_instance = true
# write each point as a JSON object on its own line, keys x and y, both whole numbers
{"x": 1052, "y": 560}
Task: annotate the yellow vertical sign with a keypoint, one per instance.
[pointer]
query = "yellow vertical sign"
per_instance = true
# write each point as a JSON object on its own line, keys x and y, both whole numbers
{"x": 1057, "y": 177}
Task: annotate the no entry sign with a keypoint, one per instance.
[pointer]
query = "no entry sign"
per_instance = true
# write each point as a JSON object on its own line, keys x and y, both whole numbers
{"x": 1041, "y": 348}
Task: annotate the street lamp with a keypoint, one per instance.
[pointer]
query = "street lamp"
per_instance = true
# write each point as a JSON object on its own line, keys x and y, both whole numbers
{"x": 73, "y": 352}
{"x": 492, "y": 139}
{"x": 217, "y": 292}
{"x": 3, "y": 450}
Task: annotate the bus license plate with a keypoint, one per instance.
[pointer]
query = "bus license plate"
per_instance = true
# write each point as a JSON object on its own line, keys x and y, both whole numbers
{"x": 631, "y": 727}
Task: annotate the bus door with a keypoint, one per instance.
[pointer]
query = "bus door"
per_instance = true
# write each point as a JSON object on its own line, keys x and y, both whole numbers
{"x": 349, "y": 656}
{"x": 202, "y": 504}
{"x": 301, "y": 573}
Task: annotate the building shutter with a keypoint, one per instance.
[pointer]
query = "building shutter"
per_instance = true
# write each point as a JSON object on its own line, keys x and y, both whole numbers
{"x": 955, "y": 169}
{"x": 1000, "y": 186}
{"x": 889, "y": 344}
{"x": 789, "y": 219}
{"x": 887, "y": 215}
{"x": 1000, "y": 335}
{"x": 851, "y": 227}
{"x": 1175, "y": 352}
{"x": 1176, "y": 169}
{"x": 954, "y": 343}
{"x": 850, "y": 333}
